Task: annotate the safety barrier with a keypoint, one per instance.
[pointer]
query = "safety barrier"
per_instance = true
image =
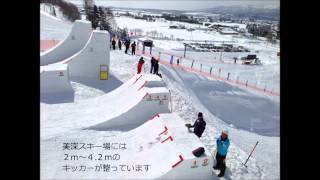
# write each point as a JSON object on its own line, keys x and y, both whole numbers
{"x": 212, "y": 75}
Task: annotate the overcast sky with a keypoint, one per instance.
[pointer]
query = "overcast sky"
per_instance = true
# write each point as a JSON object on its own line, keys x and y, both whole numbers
{"x": 181, "y": 4}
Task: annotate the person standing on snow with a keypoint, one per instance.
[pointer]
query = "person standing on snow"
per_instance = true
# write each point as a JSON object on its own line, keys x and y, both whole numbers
{"x": 127, "y": 44}
{"x": 199, "y": 126}
{"x": 178, "y": 61}
{"x": 133, "y": 48}
{"x": 152, "y": 65}
{"x": 222, "y": 149}
{"x": 156, "y": 67}
{"x": 140, "y": 63}
{"x": 113, "y": 44}
{"x": 119, "y": 44}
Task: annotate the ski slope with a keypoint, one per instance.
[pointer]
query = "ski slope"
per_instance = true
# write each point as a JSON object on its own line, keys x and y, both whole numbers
{"x": 188, "y": 98}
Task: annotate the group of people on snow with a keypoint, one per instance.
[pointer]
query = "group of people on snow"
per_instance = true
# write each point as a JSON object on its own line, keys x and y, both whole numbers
{"x": 199, "y": 125}
{"x": 126, "y": 43}
{"x": 154, "y": 69}
{"x": 222, "y": 142}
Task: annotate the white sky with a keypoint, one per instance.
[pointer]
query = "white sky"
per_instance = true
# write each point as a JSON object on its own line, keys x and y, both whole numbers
{"x": 181, "y": 4}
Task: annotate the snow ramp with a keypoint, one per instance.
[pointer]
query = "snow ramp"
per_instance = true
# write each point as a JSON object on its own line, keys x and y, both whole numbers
{"x": 74, "y": 42}
{"x": 125, "y": 108}
{"x": 161, "y": 148}
{"x": 84, "y": 66}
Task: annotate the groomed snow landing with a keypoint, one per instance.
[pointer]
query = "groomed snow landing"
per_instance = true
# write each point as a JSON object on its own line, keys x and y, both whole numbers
{"x": 161, "y": 148}
{"x": 75, "y": 41}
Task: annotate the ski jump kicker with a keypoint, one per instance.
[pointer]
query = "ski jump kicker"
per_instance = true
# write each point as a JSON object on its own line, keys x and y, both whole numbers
{"x": 161, "y": 148}
{"x": 89, "y": 58}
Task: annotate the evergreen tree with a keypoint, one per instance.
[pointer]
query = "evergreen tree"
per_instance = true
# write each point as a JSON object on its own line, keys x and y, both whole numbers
{"x": 95, "y": 17}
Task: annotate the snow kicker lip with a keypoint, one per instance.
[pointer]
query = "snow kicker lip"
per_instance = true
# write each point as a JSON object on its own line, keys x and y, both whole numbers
{"x": 74, "y": 42}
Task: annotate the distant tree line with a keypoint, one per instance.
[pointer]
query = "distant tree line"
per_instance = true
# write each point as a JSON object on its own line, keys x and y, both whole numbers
{"x": 99, "y": 16}
{"x": 181, "y": 18}
{"x": 262, "y": 30}
{"x": 68, "y": 9}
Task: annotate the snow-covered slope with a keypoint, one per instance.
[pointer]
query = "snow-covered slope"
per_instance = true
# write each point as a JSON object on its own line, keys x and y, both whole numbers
{"x": 163, "y": 144}
{"x": 190, "y": 94}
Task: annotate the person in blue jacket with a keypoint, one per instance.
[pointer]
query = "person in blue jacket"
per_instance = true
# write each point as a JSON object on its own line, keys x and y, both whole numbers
{"x": 222, "y": 150}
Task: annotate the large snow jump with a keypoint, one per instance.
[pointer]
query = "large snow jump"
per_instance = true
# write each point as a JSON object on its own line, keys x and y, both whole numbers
{"x": 91, "y": 63}
{"x": 74, "y": 42}
{"x": 124, "y": 108}
{"x": 162, "y": 143}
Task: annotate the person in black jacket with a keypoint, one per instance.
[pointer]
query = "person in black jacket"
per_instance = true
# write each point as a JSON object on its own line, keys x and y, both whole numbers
{"x": 199, "y": 126}
{"x": 156, "y": 67}
{"x": 119, "y": 44}
{"x": 113, "y": 44}
{"x": 127, "y": 45}
{"x": 133, "y": 48}
{"x": 152, "y": 65}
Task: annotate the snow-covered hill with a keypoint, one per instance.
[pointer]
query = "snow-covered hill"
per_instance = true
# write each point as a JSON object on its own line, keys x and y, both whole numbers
{"x": 248, "y": 116}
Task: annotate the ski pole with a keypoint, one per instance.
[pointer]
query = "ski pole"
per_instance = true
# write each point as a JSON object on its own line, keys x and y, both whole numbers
{"x": 250, "y": 154}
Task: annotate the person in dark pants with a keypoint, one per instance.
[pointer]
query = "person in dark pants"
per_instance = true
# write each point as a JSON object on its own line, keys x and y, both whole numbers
{"x": 127, "y": 44}
{"x": 156, "y": 67}
{"x": 199, "y": 126}
{"x": 222, "y": 149}
{"x": 133, "y": 48}
{"x": 119, "y": 44}
{"x": 152, "y": 65}
{"x": 178, "y": 61}
{"x": 113, "y": 44}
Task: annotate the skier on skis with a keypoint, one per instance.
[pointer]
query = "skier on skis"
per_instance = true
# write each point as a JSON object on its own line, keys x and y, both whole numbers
{"x": 199, "y": 126}
{"x": 140, "y": 63}
{"x": 133, "y": 48}
{"x": 222, "y": 149}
